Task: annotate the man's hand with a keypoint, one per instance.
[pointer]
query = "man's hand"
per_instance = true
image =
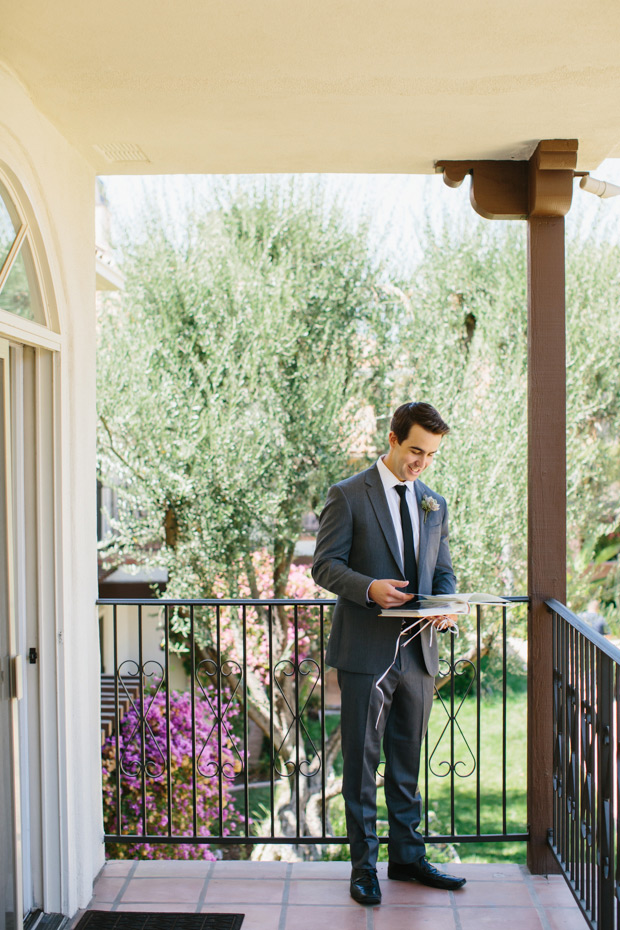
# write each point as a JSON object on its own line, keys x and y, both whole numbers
{"x": 385, "y": 593}
{"x": 444, "y": 622}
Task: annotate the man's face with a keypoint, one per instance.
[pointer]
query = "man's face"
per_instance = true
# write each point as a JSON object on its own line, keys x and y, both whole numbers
{"x": 407, "y": 460}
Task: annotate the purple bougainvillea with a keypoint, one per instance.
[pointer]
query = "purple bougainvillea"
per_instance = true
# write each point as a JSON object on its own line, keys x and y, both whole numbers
{"x": 143, "y": 770}
{"x": 143, "y": 746}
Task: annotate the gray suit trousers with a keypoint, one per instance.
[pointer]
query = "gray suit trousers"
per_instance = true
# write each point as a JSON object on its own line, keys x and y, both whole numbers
{"x": 408, "y": 693}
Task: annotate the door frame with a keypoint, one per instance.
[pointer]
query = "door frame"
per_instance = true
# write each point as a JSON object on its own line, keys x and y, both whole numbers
{"x": 15, "y": 660}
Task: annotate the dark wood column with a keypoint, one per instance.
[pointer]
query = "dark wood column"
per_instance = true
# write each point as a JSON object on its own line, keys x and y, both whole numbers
{"x": 539, "y": 191}
{"x": 546, "y": 511}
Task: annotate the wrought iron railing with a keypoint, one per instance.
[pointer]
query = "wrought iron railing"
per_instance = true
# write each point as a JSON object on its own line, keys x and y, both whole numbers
{"x": 178, "y": 769}
{"x": 586, "y": 765}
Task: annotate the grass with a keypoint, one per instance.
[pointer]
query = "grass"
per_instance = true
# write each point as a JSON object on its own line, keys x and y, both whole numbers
{"x": 463, "y": 818}
{"x": 442, "y": 819}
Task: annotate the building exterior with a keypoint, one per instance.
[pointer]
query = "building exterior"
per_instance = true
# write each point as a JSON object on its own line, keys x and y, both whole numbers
{"x": 207, "y": 88}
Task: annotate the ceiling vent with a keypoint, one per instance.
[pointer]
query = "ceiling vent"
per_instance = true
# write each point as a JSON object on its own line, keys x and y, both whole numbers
{"x": 119, "y": 152}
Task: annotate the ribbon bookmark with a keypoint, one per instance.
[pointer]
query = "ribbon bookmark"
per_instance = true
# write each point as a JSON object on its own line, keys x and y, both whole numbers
{"x": 442, "y": 627}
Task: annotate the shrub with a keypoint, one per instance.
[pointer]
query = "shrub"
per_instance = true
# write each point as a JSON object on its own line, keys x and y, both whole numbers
{"x": 154, "y": 763}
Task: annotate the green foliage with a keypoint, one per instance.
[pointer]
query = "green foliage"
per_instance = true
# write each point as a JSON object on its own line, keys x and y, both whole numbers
{"x": 465, "y": 313}
{"x": 257, "y": 343}
{"x": 231, "y": 376}
{"x": 593, "y": 404}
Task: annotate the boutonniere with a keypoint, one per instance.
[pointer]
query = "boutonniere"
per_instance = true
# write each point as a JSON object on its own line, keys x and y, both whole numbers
{"x": 428, "y": 504}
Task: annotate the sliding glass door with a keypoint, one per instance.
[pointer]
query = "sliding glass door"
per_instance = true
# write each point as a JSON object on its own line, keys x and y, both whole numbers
{"x": 10, "y": 679}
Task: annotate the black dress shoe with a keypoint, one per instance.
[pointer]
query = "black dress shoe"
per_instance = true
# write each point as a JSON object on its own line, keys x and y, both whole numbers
{"x": 365, "y": 886}
{"x": 422, "y": 871}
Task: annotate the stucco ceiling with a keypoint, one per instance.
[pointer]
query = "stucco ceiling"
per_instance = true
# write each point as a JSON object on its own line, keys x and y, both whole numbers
{"x": 328, "y": 85}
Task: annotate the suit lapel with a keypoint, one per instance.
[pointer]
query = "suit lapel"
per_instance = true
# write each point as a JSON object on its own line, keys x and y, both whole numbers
{"x": 376, "y": 493}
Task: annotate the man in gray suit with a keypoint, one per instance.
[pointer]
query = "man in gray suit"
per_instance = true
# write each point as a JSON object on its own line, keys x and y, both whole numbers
{"x": 383, "y": 537}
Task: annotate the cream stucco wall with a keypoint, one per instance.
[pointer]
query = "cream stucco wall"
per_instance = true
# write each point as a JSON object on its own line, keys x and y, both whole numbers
{"x": 59, "y": 185}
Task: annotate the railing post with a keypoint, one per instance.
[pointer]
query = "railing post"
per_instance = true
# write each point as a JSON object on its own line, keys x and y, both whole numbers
{"x": 546, "y": 512}
{"x": 586, "y": 719}
{"x": 605, "y": 820}
{"x": 558, "y": 732}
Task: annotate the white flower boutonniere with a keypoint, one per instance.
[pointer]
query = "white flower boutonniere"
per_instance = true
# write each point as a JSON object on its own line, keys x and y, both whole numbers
{"x": 428, "y": 504}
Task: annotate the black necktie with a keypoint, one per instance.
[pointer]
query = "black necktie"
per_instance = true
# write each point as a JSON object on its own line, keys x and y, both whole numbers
{"x": 411, "y": 569}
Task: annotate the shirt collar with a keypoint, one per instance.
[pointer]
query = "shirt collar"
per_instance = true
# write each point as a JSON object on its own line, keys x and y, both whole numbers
{"x": 389, "y": 479}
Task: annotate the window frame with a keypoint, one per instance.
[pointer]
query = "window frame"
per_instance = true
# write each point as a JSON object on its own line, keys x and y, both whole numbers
{"x": 12, "y": 326}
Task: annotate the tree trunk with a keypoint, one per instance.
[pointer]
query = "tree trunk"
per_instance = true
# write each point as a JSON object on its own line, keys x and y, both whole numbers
{"x": 310, "y": 808}
{"x": 283, "y": 551}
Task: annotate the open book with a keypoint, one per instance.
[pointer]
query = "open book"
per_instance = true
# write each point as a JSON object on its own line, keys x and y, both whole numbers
{"x": 430, "y": 605}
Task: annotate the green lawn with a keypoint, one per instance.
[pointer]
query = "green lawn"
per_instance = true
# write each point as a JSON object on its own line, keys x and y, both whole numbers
{"x": 465, "y": 787}
{"x": 490, "y": 777}
{"x": 465, "y": 778}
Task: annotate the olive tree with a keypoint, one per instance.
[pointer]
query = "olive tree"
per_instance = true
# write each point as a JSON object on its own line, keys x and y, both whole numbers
{"x": 238, "y": 375}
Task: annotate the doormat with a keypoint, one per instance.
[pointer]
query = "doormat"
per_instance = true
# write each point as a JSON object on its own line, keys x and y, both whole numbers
{"x": 126, "y": 920}
{"x": 37, "y": 920}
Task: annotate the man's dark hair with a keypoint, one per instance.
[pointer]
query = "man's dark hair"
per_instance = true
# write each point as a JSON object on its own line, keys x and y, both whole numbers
{"x": 418, "y": 413}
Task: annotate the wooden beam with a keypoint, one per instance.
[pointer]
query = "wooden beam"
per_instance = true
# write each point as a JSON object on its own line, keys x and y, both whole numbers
{"x": 499, "y": 189}
{"x": 514, "y": 190}
{"x": 551, "y": 177}
{"x": 546, "y": 512}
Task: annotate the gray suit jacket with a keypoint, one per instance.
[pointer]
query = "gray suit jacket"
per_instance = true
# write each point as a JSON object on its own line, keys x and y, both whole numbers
{"x": 356, "y": 544}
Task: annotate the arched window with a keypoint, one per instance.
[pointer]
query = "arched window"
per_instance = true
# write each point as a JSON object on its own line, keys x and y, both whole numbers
{"x": 20, "y": 289}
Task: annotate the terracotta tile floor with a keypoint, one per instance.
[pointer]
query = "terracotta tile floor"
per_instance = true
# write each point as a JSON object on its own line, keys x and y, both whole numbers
{"x": 311, "y": 895}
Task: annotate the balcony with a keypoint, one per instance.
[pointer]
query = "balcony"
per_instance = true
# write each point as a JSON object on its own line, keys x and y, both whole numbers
{"x": 307, "y": 895}
{"x": 473, "y": 749}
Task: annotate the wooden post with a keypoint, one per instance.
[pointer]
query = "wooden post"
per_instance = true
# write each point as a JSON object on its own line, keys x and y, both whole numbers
{"x": 546, "y": 511}
{"x": 539, "y": 190}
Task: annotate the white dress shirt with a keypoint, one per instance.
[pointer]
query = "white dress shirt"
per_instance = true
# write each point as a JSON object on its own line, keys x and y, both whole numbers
{"x": 390, "y": 481}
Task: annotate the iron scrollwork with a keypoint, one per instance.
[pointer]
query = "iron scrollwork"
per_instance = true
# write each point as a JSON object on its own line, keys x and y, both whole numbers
{"x": 151, "y": 758}
{"x": 311, "y": 764}
{"x": 587, "y": 791}
{"x": 571, "y": 751}
{"x": 217, "y": 676}
{"x": 558, "y": 744}
{"x": 459, "y": 668}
